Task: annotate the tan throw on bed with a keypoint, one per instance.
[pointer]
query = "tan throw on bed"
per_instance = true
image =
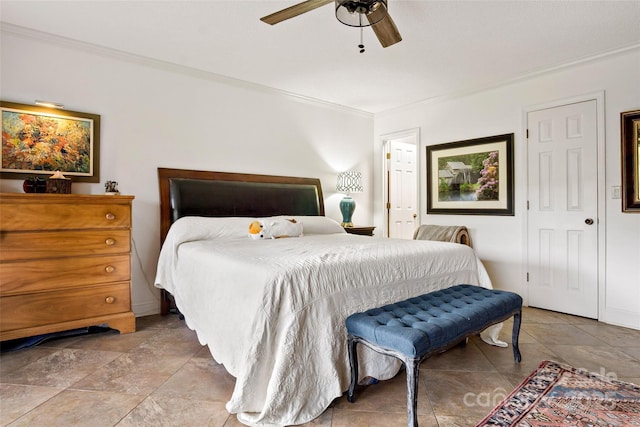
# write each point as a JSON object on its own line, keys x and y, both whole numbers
{"x": 443, "y": 233}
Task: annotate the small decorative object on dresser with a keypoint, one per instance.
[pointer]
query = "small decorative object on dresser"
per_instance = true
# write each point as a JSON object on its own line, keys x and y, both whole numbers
{"x": 363, "y": 231}
{"x": 58, "y": 183}
{"x": 34, "y": 184}
{"x": 65, "y": 263}
{"x": 111, "y": 188}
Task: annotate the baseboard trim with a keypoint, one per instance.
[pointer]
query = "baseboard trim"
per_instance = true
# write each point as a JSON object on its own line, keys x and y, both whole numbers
{"x": 146, "y": 309}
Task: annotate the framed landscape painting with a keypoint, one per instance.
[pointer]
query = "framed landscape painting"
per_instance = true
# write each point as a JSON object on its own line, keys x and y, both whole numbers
{"x": 471, "y": 177}
{"x": 37, "y": 141}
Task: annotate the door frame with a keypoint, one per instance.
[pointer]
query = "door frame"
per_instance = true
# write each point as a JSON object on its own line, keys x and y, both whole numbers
{"x": 415, "y": 132}
{"x": 599, "y": 97}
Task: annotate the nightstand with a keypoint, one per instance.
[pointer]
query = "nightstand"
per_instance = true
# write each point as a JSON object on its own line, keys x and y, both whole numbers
{"x": 363, "y": 231}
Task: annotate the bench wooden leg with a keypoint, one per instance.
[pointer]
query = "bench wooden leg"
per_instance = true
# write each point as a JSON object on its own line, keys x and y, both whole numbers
{"x": 517, "y": 318}
{"x": 412, "y": 367}
{"x": 353, "y": 362}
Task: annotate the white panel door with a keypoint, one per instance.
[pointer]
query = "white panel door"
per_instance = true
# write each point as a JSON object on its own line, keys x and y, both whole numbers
{"x": 562, "y": 215}
{"x": 402, "y": 194}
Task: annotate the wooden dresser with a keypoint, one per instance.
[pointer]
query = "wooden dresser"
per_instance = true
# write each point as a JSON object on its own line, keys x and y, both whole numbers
{"x": 65, "y": 263}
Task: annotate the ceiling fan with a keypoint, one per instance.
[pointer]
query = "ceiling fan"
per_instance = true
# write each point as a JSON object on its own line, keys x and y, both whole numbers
{"x": 355, "y": 13}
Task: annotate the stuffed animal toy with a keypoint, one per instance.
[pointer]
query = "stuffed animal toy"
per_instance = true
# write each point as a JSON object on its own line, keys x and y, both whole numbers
{"x": 275, "y": 229}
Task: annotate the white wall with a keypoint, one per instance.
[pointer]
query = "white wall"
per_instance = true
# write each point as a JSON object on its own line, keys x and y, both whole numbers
{"x": 156, "y": 115}
{"x": 499, "y": 241}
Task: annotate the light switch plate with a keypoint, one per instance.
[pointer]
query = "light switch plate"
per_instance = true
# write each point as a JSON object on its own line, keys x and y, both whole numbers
{"x": 615, "y": 192}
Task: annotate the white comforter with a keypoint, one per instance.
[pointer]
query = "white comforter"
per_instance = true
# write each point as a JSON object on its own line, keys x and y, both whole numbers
{"x": 273, "y": 311}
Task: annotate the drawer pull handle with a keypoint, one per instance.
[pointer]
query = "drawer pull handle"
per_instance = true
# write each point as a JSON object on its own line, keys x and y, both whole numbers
{"x": 109, "y": 300}
{"x": 110, "y": 216}
{"x": 110, "y": 242}
{"x": 109, "y": 269}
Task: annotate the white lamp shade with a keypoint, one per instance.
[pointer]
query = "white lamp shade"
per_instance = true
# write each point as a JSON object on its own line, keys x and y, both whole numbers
{"x": 350, "y": 182}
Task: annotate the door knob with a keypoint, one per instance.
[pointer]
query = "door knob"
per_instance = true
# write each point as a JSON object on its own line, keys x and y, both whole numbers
{"x": 588, "y": 221}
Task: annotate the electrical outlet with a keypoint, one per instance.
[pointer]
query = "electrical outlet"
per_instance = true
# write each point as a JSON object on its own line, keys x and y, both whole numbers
{"x": 615, "y": 192}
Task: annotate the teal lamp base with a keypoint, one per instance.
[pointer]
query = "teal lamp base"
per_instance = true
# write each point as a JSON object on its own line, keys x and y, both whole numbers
{"x": 347, "y": 206}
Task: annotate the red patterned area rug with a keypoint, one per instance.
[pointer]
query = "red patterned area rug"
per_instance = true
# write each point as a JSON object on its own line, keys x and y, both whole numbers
{"x": 557, "y": 395}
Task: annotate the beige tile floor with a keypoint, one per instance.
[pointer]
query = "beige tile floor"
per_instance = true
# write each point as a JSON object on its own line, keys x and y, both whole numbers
{"x": 162, "y": 376}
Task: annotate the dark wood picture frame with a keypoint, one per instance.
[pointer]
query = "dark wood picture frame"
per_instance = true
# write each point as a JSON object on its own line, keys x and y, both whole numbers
{"x": 37, "y": 141}
{"x": 471, "y": 177}
{"x": 630, "y": 155}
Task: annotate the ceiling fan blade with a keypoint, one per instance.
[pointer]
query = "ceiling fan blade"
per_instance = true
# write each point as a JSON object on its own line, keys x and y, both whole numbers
{"x": 293, "y": 11}
{"x": 385, "y": 29}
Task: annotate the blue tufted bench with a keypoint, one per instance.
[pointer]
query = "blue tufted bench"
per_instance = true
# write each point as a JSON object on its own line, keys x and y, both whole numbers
{"x": 415, "y": 329}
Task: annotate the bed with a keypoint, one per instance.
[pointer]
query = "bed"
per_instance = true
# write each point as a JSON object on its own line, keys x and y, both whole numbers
{"x": 272, "y": 311}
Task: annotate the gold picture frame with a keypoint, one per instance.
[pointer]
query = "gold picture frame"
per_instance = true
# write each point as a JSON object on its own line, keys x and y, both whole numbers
{"x": 630, "y": 155}
{"x": 38, "y": 141}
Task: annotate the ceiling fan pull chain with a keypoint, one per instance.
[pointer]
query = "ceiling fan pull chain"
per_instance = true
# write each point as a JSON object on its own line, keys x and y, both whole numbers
{"x": 361, "y": 45}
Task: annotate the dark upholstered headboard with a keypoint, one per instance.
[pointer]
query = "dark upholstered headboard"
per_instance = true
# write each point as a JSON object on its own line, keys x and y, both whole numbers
{"x": 218, "y": 194}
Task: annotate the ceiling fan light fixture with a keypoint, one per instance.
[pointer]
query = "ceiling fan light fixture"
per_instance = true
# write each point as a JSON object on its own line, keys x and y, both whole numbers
{"x": 352, "y": 12}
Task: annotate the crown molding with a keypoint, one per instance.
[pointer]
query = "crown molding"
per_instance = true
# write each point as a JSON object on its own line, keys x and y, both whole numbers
{"x": 524, "y": 77}
{"x": 29, "y": 33}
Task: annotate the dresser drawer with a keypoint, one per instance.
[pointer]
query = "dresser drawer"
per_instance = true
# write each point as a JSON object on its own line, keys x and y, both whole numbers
{"x": 48, "y": 244}
{"x": 25, "y": 311}
{"x": 48, "y": 274}
{"x": 63, "y": 216}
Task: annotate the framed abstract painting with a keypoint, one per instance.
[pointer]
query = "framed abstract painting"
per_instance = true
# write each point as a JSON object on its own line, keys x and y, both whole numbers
{"x": 38, "y": 141}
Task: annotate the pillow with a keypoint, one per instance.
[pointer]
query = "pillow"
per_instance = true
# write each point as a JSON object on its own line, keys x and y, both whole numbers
{"x": 191, "y": 228}
{"x": 320, "y": 225}
{"x": 200, "y": 228}
{"x": 275, "y": 228}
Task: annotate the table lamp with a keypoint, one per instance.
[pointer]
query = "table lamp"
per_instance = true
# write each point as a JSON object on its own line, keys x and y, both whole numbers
{"x": 348, "y": 182}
